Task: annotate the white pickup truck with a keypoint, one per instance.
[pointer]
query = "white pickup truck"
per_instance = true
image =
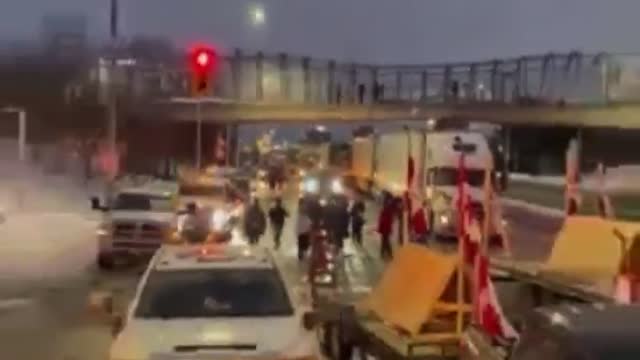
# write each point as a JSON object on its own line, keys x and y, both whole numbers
{"x": 135, "y": 222}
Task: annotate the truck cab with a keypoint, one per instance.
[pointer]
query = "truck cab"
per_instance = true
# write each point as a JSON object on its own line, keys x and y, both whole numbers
{"x": 442, "y": 162}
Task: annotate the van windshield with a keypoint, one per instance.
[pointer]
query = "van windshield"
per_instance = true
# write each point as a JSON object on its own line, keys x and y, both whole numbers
{"x": 448, "y": 176}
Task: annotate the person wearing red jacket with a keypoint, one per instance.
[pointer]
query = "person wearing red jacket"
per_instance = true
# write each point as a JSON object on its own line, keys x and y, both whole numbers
{"x": 385, "y": 227}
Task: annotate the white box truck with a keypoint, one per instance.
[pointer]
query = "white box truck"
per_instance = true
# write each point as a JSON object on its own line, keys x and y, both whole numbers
{"x": 363, "y": 161}
{"x": 438, "y": 153}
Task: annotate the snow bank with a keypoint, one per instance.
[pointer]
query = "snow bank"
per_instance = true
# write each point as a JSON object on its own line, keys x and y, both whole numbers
{"x": 618, "y": 179}
{"x": 48, "y": 229}
{"x": 39, "y": 246}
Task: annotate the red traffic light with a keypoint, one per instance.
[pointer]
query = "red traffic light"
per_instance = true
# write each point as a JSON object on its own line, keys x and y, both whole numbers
{"x": 203, "y": 59}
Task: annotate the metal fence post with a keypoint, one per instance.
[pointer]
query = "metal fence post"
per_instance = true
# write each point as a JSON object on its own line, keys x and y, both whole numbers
{"x": 236, "y": 74}
{"x": 399, "y": 84}
{"x": 331, "y": 81}
{"x": 446, "y": 83}
{"x": 353, "y": 79}
{"x": 284, "y": 77}
{"x": 306, "y": 79}
{"x": 424, "y": 85}
{"x": 473, "y": 80}
{"x": 260, "y": 76}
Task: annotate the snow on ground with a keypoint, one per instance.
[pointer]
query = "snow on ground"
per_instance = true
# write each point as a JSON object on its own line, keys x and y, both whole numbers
{"x": 38, "y": 246}
{"x": 47, "y": 229}
{"x": 623, "y": 178}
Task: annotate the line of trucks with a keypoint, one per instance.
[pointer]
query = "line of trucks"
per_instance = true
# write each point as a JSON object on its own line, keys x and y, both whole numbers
{"x": 379, "y": 163}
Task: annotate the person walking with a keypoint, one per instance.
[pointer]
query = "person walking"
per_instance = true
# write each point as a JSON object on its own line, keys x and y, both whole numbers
{"x": 255, "y": 222}
{"x": 385, "y": 227}
{"x": 277, "y": 216}
{"x": 357, "y": 221}
{"x": 303, "y": 230}
{"x": 337, "y": 222}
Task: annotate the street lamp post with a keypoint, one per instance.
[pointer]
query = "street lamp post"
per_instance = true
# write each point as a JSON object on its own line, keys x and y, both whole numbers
{"x": 22, "y": 130}
{"x": 198, "y": 133}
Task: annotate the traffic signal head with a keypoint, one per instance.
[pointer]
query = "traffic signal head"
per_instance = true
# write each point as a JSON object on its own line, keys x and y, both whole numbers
{"x": 202, "y": 63}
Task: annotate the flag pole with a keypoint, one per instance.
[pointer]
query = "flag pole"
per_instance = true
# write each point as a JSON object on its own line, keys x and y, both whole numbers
{"x": 407, "y": 198}
{"x": 461, "y": 247}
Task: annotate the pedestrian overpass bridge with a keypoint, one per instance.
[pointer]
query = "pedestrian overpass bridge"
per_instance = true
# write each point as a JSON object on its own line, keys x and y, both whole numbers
{"x": 569, "y": 89}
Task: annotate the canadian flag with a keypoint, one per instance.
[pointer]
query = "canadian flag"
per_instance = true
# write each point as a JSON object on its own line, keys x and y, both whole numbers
{"x": 468, "y": 230}
{"x": 488, "y": 312}
{"x": 413, "y": 197}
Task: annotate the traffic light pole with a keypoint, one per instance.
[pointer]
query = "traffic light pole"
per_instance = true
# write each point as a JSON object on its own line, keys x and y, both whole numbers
{"x": 198, "y": 134}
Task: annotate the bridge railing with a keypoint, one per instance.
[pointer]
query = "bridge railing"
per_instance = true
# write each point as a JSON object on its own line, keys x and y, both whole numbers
{"x": 551, "y": 78}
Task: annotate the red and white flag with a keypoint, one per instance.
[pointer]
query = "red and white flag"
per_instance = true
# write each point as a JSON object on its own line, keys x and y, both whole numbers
{"x": 467, "y": 230}
{"x": 488, "y": 312}
{"x": 413, "y": 197}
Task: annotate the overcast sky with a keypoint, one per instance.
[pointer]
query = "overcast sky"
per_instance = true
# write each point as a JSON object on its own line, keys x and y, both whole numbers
{"x": 365, "y": 30}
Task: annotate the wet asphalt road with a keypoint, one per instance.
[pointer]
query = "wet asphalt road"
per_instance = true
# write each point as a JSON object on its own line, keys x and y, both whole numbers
{"x": 48, "y": 318}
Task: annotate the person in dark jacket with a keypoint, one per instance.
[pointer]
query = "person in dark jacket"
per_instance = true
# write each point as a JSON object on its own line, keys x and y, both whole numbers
{"x": 277, "y": 216}
{"x": 337, "y": 222}
{"x": 385, "y": 227}
{"x": 255, "y": 222}
{"x": 357, "y": 220}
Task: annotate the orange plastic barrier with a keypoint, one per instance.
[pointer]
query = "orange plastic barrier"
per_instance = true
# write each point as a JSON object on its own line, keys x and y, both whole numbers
{"x": 408, "y": 293}
{"x": 587, "y": 247}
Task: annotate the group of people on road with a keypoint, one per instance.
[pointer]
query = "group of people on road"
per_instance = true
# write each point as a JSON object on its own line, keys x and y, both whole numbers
{"x": 337, "y": 218}
{"x": 255, "y": 221}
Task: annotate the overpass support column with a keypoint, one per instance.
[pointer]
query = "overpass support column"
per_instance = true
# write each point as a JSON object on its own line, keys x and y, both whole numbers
{"x": 331, "y": 81}
{"x": 260, "y": 76}
{"x": 306, "y": 79}
{"x": 236, "y": 74}
{"x": 285, "y": 93}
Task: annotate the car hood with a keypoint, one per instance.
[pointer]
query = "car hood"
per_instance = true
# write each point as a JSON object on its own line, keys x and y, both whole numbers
{"x": 152, "y": 216}
{"x": 218, "y": 337}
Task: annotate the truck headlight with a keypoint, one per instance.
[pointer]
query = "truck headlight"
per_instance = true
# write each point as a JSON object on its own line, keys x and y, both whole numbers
{"x": 311, "y": 186}
{"x": 219, "y": 219}
{"x": 336, "y": 186}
